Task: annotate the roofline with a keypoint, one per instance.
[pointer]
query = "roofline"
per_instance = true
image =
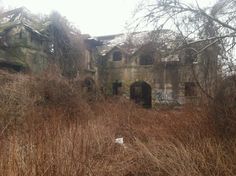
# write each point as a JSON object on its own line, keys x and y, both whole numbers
{"x": 116, "y": 46}
{"x": 27, "y": 27}
{"x": 110, "y": 35}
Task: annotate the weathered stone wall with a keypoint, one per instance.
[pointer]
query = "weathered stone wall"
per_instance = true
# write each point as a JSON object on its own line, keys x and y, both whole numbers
{"x": 24, "y": 48}
{"x": 166, "y": 78}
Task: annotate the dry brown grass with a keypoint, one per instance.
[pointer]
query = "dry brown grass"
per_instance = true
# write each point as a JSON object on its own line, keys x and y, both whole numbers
{"x": 224, "y": 107}
{"x": 46, "y": 128}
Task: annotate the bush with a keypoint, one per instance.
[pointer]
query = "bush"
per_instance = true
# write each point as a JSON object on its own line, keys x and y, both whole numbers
{"x": 48, "y": 91}
{"x": 224, "y": 107}
{"x": 47, "y": 128}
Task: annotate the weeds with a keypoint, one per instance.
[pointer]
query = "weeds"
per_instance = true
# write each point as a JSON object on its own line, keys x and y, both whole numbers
{"x": 47, "y": 128}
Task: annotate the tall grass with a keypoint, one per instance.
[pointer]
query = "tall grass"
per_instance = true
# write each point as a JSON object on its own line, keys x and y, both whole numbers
{"x": 47, "y": 128}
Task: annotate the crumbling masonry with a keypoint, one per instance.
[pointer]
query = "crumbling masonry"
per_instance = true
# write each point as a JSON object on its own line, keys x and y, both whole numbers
{"x": 137, "y": 66}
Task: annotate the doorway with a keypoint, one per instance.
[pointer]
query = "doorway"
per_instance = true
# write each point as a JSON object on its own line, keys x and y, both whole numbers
{"x": 141, "y": 93}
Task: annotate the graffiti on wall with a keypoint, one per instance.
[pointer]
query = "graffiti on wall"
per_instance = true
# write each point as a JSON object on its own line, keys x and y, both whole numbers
{"x": 164, "y": 97}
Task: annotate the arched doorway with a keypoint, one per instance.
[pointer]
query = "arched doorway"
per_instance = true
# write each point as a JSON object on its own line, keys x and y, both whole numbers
{"x": 141, "y": 93}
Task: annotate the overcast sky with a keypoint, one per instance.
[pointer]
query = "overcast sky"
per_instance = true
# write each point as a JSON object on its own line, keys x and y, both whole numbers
{"x": 95, "y": 17}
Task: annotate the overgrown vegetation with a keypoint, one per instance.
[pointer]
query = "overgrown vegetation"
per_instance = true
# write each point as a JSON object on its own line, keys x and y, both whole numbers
{"x": 66, "y": 42}
{"x": 208, "y": 31}
{"x": 47, "y": 128}
{"x": 51, "y": 39}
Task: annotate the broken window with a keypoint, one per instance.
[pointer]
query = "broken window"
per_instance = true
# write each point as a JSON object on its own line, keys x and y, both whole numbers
{"x": 146, "y": 59}
{"x": 190, "y": 89}
{"x": 117, "y": 56}
{"x": 116, "y": 86}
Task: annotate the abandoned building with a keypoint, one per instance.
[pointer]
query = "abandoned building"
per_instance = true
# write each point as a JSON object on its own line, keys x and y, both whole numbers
{"x": 22, "y": 47}
{"x": 148, "y": 71}
{"x": 137, "y": 66}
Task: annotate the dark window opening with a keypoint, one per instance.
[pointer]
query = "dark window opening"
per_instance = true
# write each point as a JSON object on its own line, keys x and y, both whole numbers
{"x": 117, "y": 56}
{"x": 88, "y": 85}
{"x": 141, "y": 93}
{"x": 116, "y": 86}
{"x": 190, "y": 55}
{"x": 90, "y": 63}
{"x": 20, "y": 35}
{"x": 190, "y": 89}
{"x": 146, "y": 60}
{"x": 31, "y": 38}
{"x": 11, "y": 67}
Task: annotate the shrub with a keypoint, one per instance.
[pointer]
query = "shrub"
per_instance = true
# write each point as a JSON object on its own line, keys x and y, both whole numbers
{"x": 47, "y": 128}
{"x": 224, "y": 107}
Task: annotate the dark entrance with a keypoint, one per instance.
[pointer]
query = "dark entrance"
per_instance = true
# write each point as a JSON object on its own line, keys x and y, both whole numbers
{"x": 12, "y": 67}
{"x": 141, "y": 93}
{"x": 116, "y": 86}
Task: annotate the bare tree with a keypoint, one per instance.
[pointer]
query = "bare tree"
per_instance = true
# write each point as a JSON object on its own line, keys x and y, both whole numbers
{"x": 212, "y": 29}
{"x": 66, "y": 44}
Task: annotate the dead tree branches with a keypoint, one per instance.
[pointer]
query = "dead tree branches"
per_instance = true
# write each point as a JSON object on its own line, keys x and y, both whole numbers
{"x": 212, "y": 29}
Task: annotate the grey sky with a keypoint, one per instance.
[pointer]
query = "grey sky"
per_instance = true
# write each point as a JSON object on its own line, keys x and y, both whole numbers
{"x": 95, "y": 17}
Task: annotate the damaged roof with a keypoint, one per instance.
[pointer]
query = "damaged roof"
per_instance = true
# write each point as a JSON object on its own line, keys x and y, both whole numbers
{"x": 20, "y": 16}
{"x": 131, "y": 43}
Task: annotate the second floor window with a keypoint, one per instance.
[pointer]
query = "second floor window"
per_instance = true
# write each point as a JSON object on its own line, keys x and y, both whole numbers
{"x": 117, "y": 56}
{"x": 146, "y": 60}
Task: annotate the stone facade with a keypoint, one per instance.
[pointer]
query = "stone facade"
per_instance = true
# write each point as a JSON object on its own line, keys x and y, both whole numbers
{"x": 25, "y": 49}
{"x": 137, "y": 67}
{"x": 149, "y": 74}
{"x": 22, "y": 48}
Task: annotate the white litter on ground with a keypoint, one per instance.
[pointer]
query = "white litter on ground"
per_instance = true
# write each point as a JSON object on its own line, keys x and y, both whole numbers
{"x": 119, "y": 140}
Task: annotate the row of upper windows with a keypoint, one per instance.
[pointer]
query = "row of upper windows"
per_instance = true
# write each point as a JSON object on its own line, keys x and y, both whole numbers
{"x": 145, "y": 59}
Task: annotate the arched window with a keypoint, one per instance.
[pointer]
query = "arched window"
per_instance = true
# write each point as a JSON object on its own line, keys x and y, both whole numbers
{"x": 117, "y": 56}
{"x": 146, "y": 59}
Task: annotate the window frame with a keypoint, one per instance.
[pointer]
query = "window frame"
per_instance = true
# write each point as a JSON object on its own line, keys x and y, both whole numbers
{"x": 146, "y": 59}
{"x": 117, "y": 56}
